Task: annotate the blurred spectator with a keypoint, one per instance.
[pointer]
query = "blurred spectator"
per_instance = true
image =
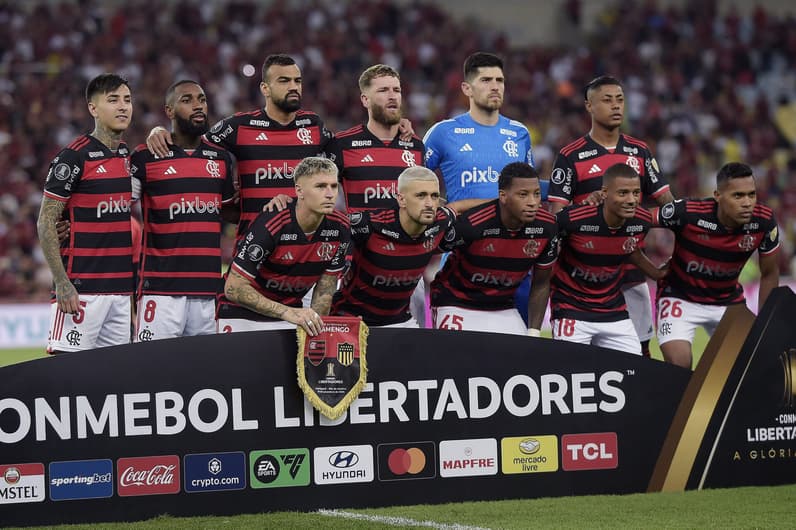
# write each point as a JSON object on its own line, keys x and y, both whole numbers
{"x": 703, "y": 88}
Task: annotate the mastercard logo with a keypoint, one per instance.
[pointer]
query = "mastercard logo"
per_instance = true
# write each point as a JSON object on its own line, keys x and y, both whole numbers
{"x": 403, "y": 461}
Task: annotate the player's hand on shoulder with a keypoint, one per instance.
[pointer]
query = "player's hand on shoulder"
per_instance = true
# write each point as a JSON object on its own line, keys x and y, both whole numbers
{"x": 279, "y": 203}
{"x": 405, "y": 129}
{"x": 158, "y": 142}
{"x": 595, "y": 198}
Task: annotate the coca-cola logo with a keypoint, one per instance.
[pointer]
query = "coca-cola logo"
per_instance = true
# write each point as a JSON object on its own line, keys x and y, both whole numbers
{"x": 159, "y": 474}
{"x": 148, "y": 475}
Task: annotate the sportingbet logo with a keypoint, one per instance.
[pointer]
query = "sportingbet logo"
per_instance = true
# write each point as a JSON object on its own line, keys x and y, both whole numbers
{"x": 479, "y": 176}
{"x": 111, "y": 206}
{"x": 379, "y": 192}
{"x": 273, "y": 172}
{"x": 193, "y": 206}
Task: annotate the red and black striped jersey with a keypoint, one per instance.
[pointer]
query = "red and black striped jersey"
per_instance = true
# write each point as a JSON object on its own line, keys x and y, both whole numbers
{"x": 488, "y": 261}
{"x": 707, "y": 257}
{"x": 578, "y": 169}
{"x": 181, "y": 197}
{"x": 94, "y": 182}
{"x": 267, "y": 152}
{"x": 587, "y": 279}
{"x": 282, "y": 262}
{"x": 369, "y": 168}
{"x": 387, "y": 263}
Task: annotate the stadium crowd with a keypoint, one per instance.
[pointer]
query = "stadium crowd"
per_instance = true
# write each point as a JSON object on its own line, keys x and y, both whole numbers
{"x": 702, "y": 88}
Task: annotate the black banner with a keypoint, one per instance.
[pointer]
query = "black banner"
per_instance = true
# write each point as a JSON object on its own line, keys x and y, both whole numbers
{"x": 218, "y": 425}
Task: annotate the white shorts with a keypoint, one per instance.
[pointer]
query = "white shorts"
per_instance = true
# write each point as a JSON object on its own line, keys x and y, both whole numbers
{"x": 678, "y": 319}
{"x": 306, "y": 300}
{"x": 639, "y": 307}
{"x": 103, "y": 320}
{"x": 458, "y": 318}
{"x": 411, "y": 323}
{"x": 166, "y": 317}
{"x": 235, "y": 325}
{"x": 619, "y": 335}
{"x": 417, "y": 304}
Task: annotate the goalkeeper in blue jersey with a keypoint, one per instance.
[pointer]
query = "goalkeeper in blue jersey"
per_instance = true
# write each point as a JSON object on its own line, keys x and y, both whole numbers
{"x": 470, "y": 149}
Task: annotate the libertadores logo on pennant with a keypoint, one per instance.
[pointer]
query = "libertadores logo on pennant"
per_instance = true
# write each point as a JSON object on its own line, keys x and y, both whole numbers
{"x": 148, "y": 475}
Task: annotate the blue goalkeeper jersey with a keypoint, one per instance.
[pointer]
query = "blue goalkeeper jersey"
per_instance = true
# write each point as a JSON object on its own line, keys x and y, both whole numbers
{"x": 471, "y": 156}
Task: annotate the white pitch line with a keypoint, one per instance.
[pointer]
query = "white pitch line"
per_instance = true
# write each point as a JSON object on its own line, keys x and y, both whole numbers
{"x": 397, "y": 521}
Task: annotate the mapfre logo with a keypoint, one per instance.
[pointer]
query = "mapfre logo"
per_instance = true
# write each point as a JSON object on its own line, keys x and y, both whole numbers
{"x": 148, "y": 475}
{"x": 589, "y": 451}
{"x": 468, "y": 458}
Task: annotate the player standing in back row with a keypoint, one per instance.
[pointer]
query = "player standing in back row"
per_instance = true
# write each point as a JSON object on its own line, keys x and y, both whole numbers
{"x": 370, "y": 156}
{"x": 90, "y": 182}
{"x": 181, "y": 202}
{"x": 470, "y": 150}
{"x": 578, "y": 170}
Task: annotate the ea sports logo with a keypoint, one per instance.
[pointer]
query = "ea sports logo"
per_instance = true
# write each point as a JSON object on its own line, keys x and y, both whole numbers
{"x": 402, "y": 461}
{"x": 266, "y": 469}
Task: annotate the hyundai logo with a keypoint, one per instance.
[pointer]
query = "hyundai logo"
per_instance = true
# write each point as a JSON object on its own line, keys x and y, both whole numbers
{"x": 344, "y": 459}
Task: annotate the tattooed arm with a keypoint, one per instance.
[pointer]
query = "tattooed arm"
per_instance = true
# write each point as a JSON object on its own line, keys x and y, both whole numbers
{"x": 65, "y": 293}
{"x": 242, "y": 292}
{"x": 323, "y": 293}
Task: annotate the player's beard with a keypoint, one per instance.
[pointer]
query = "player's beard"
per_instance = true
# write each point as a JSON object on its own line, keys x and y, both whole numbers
{"x": 380, "y": 115}
{"x": 488, "y": 104}
{"x": 288, "y": 106}
{"x": 189, "y": 128}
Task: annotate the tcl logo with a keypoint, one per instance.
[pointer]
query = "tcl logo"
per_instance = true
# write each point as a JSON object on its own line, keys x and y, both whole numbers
{"x": 150, "y": 475}
{"x": 589, "y": 451}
